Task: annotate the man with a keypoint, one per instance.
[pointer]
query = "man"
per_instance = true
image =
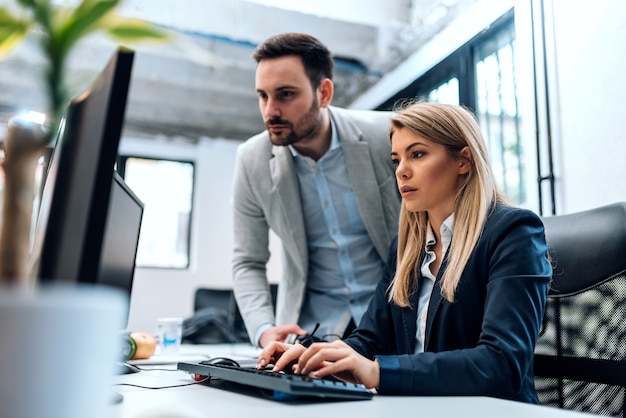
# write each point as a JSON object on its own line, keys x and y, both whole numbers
{"x": 322, "y": 179}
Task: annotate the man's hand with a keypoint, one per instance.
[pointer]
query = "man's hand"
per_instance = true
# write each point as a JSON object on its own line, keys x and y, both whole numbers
{"x": 279, "y": 333}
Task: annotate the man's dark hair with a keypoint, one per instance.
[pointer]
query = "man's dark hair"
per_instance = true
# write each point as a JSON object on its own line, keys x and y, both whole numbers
{"x": 317, "y": 60}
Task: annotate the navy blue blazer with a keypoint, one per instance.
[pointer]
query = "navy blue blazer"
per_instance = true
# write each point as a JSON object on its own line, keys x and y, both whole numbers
{"x": 482, "y": 344}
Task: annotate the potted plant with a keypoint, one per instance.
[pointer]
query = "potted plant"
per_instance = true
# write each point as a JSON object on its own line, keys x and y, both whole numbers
{"x": 59, "y": 30}
{"x": 45, "y": 333}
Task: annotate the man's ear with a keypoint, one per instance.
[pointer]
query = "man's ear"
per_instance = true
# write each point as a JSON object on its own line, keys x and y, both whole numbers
{"x": 465, "y": 160}
{"x": 325, "y": 91}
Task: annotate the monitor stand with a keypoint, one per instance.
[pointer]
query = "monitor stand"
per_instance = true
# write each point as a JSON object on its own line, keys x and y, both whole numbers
{"x": 116, "y": 398}
{"x": 122, "y": 368}
{"x": 125, "y": 368}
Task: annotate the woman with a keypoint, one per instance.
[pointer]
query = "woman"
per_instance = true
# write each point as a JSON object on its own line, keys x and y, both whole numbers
{"x": 459, "y": 308}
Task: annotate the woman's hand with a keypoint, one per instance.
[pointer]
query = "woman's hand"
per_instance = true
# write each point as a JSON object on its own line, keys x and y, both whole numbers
{"x": 339, "y": 360}
{"x": 279, "y": 354}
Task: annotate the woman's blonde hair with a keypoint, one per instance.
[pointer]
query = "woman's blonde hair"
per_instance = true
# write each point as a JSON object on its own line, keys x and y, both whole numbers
{"x": 455, "y": 128}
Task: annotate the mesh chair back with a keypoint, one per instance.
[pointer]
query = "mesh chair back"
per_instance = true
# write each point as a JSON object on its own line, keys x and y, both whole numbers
{"x": 580, "y": 358}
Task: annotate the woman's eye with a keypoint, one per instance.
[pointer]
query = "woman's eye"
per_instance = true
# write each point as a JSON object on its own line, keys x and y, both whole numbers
{"x": 418, "y": 154}
{"x": 395, "y": 161}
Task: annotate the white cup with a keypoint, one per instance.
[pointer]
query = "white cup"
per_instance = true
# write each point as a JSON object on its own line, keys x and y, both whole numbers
{"x": 58, "y": 351}
{"x": 170, "y": 331}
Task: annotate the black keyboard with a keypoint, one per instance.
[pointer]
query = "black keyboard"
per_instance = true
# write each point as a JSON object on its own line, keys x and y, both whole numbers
{"x": 283, "y": 384}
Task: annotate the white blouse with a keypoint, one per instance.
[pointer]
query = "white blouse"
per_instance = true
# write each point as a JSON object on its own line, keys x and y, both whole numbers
{"x": 428, "y": 279}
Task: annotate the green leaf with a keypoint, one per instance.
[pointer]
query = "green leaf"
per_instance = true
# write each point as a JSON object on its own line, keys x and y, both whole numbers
{"x": 7, "y": 19}
{"x": 84, "y": 20}
{"x": 12, "y": 31}
{"x": 93, "y": 10}
{"x": 8, "y": 42}
{"x": 133, "y": 30}
{"x": 27, "y": 3}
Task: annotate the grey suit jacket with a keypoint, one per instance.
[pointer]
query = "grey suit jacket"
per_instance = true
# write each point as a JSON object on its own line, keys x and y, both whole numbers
{"x": 266, "y": 196}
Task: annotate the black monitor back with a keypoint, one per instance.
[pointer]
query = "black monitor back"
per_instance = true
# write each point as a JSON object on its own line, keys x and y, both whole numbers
{"x": 75, "y": 201}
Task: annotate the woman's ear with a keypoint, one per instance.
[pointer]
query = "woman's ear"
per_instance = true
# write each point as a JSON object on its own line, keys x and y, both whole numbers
{"x": 465, "y": 160}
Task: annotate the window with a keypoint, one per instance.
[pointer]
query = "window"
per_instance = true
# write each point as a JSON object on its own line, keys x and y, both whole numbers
{"x": 498, "y": 113}
{"x": 447, "y": 92}
{"x": 481, "y": 76}
{"x": 166, "y": 189}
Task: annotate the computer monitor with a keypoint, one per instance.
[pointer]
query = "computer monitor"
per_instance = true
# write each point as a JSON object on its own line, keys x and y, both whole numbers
{"x": 116, "y": 267}
{"x": 85, "y": 206}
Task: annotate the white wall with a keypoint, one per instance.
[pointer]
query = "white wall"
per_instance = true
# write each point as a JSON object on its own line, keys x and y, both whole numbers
{"x": 585, "y": 61}
{"x": 163, "y": 292}
{"x": 587, "y": 66}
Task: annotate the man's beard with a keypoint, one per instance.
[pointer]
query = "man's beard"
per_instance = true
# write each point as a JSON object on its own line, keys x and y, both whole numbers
{"x": 307, "y": 128}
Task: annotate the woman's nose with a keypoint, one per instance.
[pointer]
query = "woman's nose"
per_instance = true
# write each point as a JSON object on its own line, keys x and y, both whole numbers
{"x": 402, "y": 172}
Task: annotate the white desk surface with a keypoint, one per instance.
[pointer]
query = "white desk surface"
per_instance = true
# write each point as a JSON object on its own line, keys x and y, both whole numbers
{"x": 202, "y": 400}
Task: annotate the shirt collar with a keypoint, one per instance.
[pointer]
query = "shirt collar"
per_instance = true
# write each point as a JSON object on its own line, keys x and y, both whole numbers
{"x": 446, "y": 230}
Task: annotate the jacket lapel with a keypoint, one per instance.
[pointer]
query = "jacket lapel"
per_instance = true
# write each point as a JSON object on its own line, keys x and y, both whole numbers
{"x": 436, "y": 300}
{"x": 361, "y": 174}
{"x": 409, "y": 319}
{"x": 287, "y": 191}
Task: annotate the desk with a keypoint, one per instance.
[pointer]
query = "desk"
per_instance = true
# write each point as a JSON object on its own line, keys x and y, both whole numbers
{"x": 200, "y": 401}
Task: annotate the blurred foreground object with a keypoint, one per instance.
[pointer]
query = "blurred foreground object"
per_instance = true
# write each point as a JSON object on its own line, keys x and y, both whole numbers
{"x": 23, "y": 147}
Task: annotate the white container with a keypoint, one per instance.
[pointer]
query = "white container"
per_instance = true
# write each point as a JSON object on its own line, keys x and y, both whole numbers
{"x": 58, "y": 351}
{"x": 170, "y": 333}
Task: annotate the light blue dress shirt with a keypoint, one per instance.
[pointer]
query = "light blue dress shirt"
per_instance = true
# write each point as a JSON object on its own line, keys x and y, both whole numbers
{"x": 428, "y": 279}
{"x": 344, "y": 266}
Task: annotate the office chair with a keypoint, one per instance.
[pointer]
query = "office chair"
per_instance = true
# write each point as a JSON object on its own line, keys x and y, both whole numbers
{"x": 216, "y": 318}
{"x": 580, "y": 358}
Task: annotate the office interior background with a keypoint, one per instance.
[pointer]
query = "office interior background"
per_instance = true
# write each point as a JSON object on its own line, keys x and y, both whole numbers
{"x": 543, "y": 76}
